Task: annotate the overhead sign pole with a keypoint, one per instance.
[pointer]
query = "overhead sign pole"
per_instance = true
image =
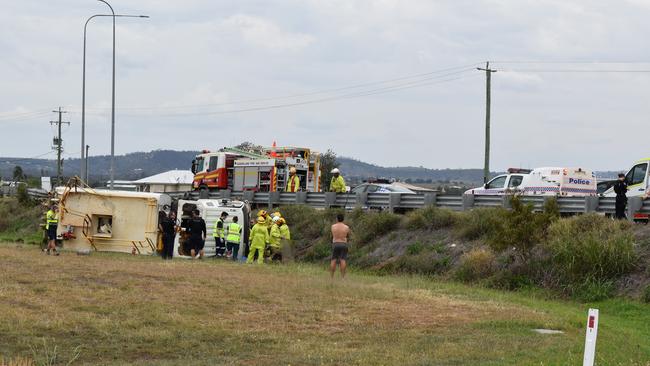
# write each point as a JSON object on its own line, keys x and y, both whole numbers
{"x": 590, "y": 338}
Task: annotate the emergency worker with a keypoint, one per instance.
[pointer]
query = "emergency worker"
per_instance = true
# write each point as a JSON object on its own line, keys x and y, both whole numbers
{"x": 268, "y": 221}
{"x": 274, "y": 241}
{"x": 197, "y": 230}
{"x": 338, "y": 183}
{"x": 51, "y": 224}
{"x": 286, "y": 246}
{"x": 233, "y": 236}
{"x": 218, "y": 234}
{"x": 293, "y": 183}
{"x": 168, "y": 227}
{"x": 620, "y": 187}
{"x": 259, "y": 236}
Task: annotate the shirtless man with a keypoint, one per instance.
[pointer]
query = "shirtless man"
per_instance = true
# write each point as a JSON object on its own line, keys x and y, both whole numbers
{"x": 340, "y": 233}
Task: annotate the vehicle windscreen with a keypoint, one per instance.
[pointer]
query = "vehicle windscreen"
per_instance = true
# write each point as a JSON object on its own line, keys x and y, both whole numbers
{"x": 398, "y": 189}
{"x": 197, "y": 165}
{"x": 497, "y": 182}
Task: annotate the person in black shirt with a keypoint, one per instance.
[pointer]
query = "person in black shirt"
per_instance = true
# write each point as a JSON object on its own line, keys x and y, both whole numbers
{"x": 197, "y": 232}
{"x": 167, "y": 227}
{"x": 620, "y": 187}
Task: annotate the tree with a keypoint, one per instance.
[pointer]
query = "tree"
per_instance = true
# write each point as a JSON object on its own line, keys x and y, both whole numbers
{"x": 18, "y": 173}
{"x": 328, "y": 162}
{"x": 249, "y": 146}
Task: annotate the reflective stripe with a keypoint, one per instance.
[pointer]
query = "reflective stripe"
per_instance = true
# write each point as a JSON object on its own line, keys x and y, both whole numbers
{"x": 233, "y": 233}
{"x": 216, "y": 231}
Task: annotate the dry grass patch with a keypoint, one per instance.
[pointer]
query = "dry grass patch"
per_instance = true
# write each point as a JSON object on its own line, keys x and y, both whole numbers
{"x": 121, "y": 309}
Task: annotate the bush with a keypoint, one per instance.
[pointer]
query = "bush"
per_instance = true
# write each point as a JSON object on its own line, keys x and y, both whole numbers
{"x": 430, "y": 218}
{"x": 373, "y": 225}
{"x": 480, "y": 222}
{"x": 427, "y": 263}
{"x": 586, "y": 252}
{"x": 478, "y": 263}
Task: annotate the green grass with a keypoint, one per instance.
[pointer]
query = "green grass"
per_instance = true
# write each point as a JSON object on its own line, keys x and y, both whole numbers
{"x": 20, "y": 223}
{"x": 120, "y": 309}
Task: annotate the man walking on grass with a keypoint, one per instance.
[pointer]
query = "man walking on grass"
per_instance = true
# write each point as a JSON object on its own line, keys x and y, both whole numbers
{"x": 340, "y": 233}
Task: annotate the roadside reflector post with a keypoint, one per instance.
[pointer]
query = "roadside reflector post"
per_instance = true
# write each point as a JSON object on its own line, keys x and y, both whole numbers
{"x": 362, "y": 199}
{"x": 301, "y": 198}
{"x": 591, "y": 203}
{"x": 330, "y": 199}
{"x": 430, "y": 199}
{"x": 590, "y": 338}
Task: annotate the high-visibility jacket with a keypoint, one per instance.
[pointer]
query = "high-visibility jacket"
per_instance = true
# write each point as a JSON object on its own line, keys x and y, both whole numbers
{"x": 274, "y": 239}
{"x": 268, "y": 221}
{"x": 338, "y": 185}
{"x": 217, "y": 229}
{"x": 293, "y": 184}
{"x": 284, "y": 232}
{"x": 233, "y": 232}
{"x": 259, "y": 236}
{"x": 50, "y": 218}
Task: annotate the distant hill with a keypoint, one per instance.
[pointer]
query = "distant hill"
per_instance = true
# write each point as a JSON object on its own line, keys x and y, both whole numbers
{"x": 141, "y": 164}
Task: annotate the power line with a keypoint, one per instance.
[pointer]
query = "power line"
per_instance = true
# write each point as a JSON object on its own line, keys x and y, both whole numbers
{"x": 291, "y": 96}
{"x": 576, "y": 71}
{"x": 388, "y": 89}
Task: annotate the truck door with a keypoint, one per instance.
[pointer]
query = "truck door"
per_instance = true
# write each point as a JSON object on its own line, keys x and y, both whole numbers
{"x": 496, "y": 186}
{"x": 636, "y": 180}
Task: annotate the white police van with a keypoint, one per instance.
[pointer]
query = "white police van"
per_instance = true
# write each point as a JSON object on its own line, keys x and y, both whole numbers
{"x": 546, "y": 181}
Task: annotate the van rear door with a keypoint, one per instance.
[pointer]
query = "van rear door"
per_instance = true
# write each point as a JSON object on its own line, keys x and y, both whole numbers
{"x": 578, "y": 182}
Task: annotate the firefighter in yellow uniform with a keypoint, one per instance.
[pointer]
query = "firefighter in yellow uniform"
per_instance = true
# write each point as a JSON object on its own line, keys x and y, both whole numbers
{"x": 285, "y": 240}
{"x": 259, "y": 236}
{"x": 293, "y": 183}
{"x": 338, "y": 183}
{"x": 274, "y": 240}
{"x": 268, "y": 220}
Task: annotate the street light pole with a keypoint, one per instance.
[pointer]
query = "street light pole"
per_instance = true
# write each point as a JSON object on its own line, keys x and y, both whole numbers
{"x": 112, "y": 104}
{"x": 84, "y": 161}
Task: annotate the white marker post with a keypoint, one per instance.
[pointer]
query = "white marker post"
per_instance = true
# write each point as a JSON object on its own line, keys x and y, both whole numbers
{"x": 590, "y": 339}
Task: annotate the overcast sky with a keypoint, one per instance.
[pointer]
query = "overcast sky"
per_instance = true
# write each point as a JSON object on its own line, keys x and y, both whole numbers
{"x": 386, "y": 81}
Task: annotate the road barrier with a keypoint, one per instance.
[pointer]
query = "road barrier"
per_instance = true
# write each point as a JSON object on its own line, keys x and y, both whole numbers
{"x": 402, "y": 202}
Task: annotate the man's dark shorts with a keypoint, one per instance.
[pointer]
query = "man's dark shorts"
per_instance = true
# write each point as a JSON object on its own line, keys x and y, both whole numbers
{"x": 339, "y": 251}
{"x": 196, "y": 243}
{"x": 51, "y": 232}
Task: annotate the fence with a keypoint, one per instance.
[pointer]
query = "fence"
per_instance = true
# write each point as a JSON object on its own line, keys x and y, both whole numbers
{"x": 400, "y": 202}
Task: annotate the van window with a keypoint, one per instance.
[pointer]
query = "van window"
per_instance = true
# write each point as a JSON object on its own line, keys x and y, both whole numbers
{"x": 637, "y": 174}
{"x": 515, "y": 181}
{"x": 212, "y": 166}
{"x": 497, "y": 182}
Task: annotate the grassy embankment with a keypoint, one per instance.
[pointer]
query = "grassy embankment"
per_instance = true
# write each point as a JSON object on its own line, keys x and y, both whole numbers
{"x": 20, "y": 222}
{"x": 119, "y": 309}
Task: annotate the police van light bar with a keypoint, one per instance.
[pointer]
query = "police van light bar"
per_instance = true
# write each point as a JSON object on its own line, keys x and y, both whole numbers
{"x": 518, "y": 170}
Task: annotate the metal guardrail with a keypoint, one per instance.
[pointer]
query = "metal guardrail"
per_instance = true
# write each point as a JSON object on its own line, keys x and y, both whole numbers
{"x": 397, "y": 201}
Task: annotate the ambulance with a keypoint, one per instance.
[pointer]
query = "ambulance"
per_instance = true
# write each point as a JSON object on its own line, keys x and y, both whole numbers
{"x": 546, "y": 181}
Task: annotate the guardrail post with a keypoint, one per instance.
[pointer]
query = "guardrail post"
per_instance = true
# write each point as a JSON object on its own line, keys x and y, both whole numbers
{"x": 634, "y": 204}
{"x": 249, "y": 196}
{"x": 430, "y": 199}
{"x": 362, "y": 199}
{"x": 591, "y": 203}
{"x": 506, "y": 201}
{"x": 274, "y": 197}
{"x": 468, "y": 201}
{"x": 301, "y": 198}
{"x": 393, "y": 201}
{"x": 204, "y": 194}
{"x": 330, "y": 199}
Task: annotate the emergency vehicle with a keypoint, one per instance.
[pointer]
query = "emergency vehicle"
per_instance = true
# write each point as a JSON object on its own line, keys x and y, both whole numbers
{"x": 210, "y": 210}
{"x": 266, "y": 170}
{"x": 637, "y": 183}
{"x": 547, "y": 181}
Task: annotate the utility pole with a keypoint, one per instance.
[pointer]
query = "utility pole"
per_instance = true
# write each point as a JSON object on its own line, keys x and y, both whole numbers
{"x": 86, "y": 162}
{"x": 58, "y": 145}
{"x": 488, "y": 78}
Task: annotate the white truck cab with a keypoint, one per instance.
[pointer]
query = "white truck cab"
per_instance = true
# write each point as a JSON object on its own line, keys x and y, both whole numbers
{"x": 502, "y": 184}
{"x": 210, "y": 210}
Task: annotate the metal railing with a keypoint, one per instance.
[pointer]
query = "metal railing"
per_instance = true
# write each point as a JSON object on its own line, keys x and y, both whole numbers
{"x": 401, "y": 202}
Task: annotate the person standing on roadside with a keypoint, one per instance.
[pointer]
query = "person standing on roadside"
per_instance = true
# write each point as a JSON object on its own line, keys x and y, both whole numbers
{"x": 51, "y": 224}
{"x": 259, "y": 237}
{"x": 168, "y": 227}
{"x": 338, "y": 183}
{"x": 620, "y": 188}
{"x": 233, "y": 237}
{"x": 197, "y": 231}
{"x": 218, "y": 234}
{"x": 340, "y": 234}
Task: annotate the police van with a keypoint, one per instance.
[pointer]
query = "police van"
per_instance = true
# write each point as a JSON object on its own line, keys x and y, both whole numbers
{"x": 546, "y": 181}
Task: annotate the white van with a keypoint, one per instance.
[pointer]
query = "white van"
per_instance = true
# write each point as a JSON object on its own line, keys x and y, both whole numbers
{"x": 547, "y": 181}
{"x": 210, "y": 210}
{"x": 637, "y": 180}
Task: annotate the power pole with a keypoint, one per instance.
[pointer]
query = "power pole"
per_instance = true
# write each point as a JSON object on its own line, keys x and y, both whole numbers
{"x": 58, "y": 145}
{"x": 488, "y": 78}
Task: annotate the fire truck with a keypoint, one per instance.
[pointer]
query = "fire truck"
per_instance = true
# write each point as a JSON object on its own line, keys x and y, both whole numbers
{"x": 264, "y": 170}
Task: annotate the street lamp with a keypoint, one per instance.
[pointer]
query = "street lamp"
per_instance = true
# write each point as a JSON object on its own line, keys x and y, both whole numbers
{"x": 83, "y": 96}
